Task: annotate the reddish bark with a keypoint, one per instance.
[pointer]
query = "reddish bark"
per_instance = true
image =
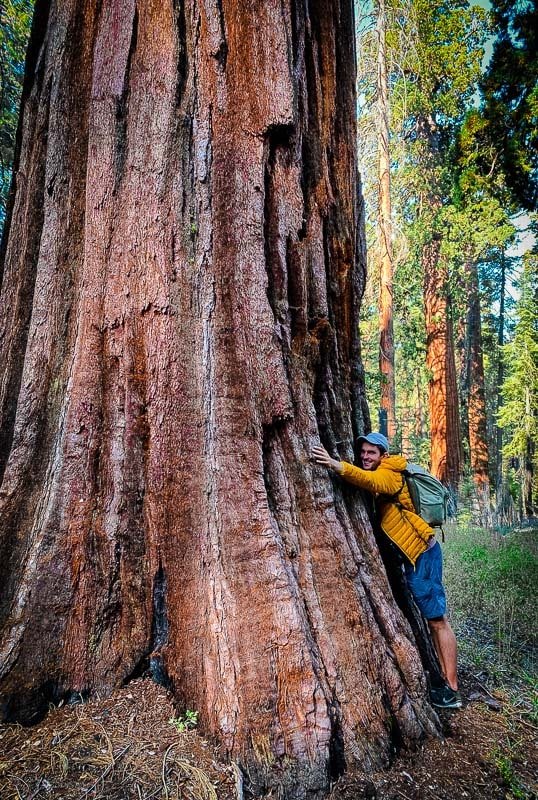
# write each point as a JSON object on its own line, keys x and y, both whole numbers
{"x": 182, "y": 279}
{"x": 446, "y": 456}
{"x": 384, "y": 228}
{"x": 476, "y": 402}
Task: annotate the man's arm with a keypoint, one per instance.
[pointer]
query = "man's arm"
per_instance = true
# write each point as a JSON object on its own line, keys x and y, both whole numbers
{"x": 379, "y": 481}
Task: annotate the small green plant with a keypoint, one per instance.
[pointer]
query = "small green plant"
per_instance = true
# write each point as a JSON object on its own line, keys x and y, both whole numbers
{"x": 505, "y": 767}
{"x": 185, "y": 722}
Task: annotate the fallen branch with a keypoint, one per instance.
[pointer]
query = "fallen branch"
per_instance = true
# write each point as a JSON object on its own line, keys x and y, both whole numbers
{"x": 487, "y": 691}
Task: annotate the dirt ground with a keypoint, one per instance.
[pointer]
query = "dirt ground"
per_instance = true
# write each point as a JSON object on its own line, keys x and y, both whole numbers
{"x": 127, "y": 747}
{"x": 490, "y": 751}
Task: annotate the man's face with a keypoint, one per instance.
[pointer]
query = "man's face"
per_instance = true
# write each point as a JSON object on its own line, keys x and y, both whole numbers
{"x": 370, "y": 456}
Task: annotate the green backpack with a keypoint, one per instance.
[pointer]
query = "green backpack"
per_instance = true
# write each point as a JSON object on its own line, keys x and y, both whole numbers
{"x": 429, "y": 496}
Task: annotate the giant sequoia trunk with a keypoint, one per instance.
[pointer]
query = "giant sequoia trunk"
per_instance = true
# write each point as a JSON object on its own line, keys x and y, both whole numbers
{"x": 445, "y": 439}
{"x": 471, "y": 390}
{"x": 181, "y": 289}
{"x": 446, "y": 451}
{"x": 384, "y": 231}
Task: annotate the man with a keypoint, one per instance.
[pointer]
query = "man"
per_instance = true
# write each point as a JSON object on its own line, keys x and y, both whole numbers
{"x": 382, "y": 475}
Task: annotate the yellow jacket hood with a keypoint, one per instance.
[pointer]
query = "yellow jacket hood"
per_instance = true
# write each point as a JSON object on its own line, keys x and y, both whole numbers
{"x": 394, "y": 462}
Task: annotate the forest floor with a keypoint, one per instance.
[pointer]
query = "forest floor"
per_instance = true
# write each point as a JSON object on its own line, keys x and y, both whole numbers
{"x": 489, "y": 752}
{"x": 131, "y": 746}
{"x": 127, "y": 747}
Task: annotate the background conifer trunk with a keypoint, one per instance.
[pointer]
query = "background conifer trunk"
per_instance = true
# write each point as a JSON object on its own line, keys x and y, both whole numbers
{"x": 384, "y": 230}
{"x": 476, "y": 402}
{"x": 446, "y": 450}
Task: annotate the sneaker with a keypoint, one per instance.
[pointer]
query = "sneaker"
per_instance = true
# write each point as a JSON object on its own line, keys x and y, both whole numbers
{"x": 445, "y": 697}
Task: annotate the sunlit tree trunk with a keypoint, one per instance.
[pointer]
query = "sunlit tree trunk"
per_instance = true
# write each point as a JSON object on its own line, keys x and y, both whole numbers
{"x": 443, "y": 402}
{"x": 384, "y": 230}
{"x": 182, "y": 281}
{"x": 445, "y": 434}
{"x": 461, "y": 355}
{"x": 476, "y": 401}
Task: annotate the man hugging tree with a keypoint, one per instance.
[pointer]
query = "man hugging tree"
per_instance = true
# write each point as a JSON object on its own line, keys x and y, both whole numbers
{"x": 382, "y": 475}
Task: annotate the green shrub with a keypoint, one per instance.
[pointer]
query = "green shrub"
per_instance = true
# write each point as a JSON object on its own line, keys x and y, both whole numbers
{"x": 491, "y": 584}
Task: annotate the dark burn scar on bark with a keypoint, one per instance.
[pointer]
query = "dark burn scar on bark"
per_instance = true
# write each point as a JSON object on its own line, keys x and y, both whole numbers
{"x": 159, "y": 629}
{"x": 221, "y": 54}
{"x": 122, "y": 110}
{"x": 278, "y": 137}
{"x": 151, "y": 662}
{"x": 296, "y": 290}
{"x": 329, "y": 415}
{"x": 30, "y": 706}
{"x": 181, "y": 45}
{"x": 267, "y": 443}
{"x": 337, "y": 761}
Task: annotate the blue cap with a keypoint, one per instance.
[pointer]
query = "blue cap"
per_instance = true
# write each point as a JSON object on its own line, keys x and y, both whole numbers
{"x": 377, "y": 439}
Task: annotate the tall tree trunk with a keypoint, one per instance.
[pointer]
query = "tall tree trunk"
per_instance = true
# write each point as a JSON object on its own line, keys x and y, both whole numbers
{"x": 419, "y": 410}
{"x": 182, "y": 285}
{"x": 527, "y": 468}
{"x": 445, "y": 432}
{"x": 476, "y": 402}
{"x": 503, "y": 500}
{"x": 446, "y": 456}
{"x": 407, "y": 421}
{"x": 461, "y": 353}
{"x": 384, "y": 229}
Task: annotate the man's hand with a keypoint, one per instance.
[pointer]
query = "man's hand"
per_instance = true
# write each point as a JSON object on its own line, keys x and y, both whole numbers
{"x": 322, "y": 457}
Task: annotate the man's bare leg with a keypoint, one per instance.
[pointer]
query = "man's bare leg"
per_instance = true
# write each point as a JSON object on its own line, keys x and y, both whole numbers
{"x": 446, "y": 648}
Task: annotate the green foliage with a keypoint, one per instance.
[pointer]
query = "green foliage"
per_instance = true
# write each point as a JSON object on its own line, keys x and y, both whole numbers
{"x": 495, "y": 569}
{"x": 15, "y": 19}
{"x": 185, "y": 722}
{"x": 493, "y": 579}
{"x": 511, "y": 91}
{"x": 504, "y": 761}
{"x": 477, "y": 219}
{"x": 435, "y": 51}
{"x": 442, "y": 64}
{"x": 518, "y": 414}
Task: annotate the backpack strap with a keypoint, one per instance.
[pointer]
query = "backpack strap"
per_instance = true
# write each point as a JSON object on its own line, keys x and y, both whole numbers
{"x": 394, "y": 498}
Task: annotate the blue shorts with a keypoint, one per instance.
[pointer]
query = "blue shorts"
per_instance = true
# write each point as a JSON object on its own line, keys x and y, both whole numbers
{"x": 426, "y": 582}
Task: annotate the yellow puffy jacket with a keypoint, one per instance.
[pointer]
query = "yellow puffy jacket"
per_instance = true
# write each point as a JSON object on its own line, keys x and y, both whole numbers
{"x": 397, "y": 517}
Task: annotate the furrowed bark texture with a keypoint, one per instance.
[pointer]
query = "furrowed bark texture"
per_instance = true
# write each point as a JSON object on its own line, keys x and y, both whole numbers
{"x": 384, "y": 226}
{"x": 476, "y": 404}
{"x": 471, "y": 393}
{"x": 181, "y": 289}
{"x": 446, "y": 455}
